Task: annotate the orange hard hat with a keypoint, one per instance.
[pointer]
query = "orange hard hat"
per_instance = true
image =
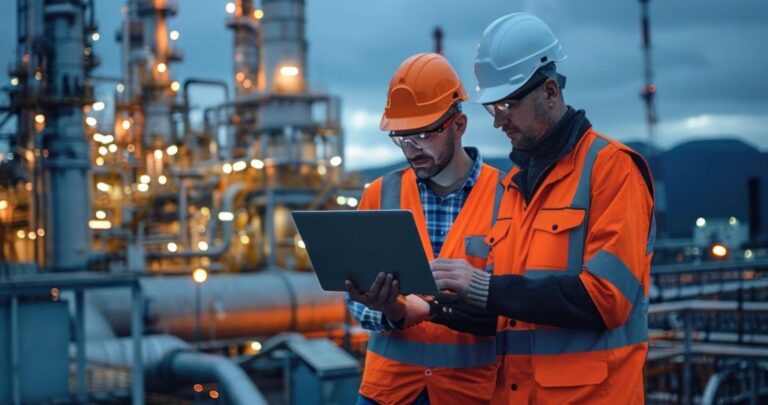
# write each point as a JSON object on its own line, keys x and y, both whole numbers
{"x": 424, "y": 88}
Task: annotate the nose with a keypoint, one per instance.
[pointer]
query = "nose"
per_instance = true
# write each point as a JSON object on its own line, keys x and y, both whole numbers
{"x": 499, "y": 119}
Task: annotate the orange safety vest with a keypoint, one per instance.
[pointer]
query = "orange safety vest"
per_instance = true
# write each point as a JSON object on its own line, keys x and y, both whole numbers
{"x": 592, "y": 216}
{"x": 454, "y": 367}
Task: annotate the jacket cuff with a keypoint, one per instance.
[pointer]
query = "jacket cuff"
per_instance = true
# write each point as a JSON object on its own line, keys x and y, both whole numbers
{"x": 477, "y": 294}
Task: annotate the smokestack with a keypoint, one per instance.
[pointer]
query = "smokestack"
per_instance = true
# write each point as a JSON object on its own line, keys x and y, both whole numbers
{"x": 437, "y": 35}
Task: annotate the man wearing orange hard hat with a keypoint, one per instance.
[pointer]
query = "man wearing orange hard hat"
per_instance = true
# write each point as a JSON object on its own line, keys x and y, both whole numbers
{"x": 454, "y": 198}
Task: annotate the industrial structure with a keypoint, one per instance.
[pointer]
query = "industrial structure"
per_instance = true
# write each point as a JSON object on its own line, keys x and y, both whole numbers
{"x": 146, "y": 257}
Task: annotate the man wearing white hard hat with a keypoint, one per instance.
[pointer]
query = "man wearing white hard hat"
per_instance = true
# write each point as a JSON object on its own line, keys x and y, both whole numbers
{"x": 572, "y": 244}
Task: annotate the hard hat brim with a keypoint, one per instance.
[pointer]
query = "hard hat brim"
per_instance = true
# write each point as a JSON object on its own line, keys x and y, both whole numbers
{"x": 408, "y": 123}
{"x": 493, "y": 94}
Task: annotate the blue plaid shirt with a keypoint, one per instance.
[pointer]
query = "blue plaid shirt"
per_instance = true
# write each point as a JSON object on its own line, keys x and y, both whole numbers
{"x": 439, "y": 213}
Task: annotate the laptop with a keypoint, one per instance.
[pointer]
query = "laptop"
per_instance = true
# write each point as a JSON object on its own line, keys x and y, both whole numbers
{"x": 357, "y": 245}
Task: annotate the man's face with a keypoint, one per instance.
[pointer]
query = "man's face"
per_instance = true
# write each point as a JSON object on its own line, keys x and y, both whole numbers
{"x": 430, "y": 153}
{"x": 523, "y": 120}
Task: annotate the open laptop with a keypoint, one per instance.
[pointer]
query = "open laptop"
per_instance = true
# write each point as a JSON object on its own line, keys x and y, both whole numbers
{"x": 357, "y": 245}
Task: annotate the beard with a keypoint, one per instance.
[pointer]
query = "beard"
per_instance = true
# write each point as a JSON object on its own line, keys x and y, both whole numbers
{"x": 427, "y": 165}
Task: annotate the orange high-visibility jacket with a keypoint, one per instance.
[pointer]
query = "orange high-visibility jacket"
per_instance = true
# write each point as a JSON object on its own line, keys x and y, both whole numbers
{"x": 455, "y": 367}
{"x": 593, "y": 217}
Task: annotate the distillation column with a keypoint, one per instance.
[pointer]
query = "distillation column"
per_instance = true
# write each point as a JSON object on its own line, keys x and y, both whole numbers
{"x": 66, "y": 170}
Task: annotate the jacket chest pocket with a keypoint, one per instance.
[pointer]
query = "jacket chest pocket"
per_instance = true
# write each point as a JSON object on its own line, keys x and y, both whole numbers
{"x": 553, "y": 230}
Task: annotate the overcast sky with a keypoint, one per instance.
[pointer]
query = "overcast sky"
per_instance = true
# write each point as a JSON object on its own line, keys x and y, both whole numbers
{"x": 710, "y": 62}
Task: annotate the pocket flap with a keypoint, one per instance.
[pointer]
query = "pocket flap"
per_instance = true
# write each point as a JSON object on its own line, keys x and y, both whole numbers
{"x": 553, "y": 372}
{"x": 558, "y": 220}
{"x": 498, "y": 232}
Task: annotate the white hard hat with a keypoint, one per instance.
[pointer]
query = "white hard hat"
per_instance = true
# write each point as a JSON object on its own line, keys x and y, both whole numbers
{"x": 512, "y": 49}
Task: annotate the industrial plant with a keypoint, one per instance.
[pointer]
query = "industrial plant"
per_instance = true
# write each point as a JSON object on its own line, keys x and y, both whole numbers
{"x": 147, "y": 248}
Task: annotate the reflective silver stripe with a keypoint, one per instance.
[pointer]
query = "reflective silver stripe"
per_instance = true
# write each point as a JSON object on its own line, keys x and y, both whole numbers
{"x": 434, "y": 354}
{"x": 651, "y": 235}
{"x": 499, "y": 194}
{"x": 390, "y": 190}
{"x": 609, "y": 267}
{"x": 561, "y": 341}
{"x": 476, "y": 246}
{"x": 581, "y": 200}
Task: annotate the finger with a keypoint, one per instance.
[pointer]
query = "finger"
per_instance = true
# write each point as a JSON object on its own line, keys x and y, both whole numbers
{"x": 354, "y": 293}
{"x": 395, "y": 291}
{"x": 383, "y": 296}
{"x": 443, "y": 265}
{"x": 373, "y": 292}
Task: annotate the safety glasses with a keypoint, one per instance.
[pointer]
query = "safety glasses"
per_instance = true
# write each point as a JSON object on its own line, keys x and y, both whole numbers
{"x": 425, "y": 139}
{"x": 504, "y": 105}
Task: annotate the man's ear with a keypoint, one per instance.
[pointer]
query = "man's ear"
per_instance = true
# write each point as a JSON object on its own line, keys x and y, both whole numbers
{"x": 461, "y": 124}
{"x": 551, "y": 92}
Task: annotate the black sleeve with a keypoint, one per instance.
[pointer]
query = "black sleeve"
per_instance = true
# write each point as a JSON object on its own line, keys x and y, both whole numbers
{"x": 451, "y": 311}
{"x": 560, "y": 301}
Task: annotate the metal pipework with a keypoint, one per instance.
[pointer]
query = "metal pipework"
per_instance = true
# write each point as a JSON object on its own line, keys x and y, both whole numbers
{"x": 258, "y": 304}
{"x": 227, "y": 205}
{"x": 168, "y": 362}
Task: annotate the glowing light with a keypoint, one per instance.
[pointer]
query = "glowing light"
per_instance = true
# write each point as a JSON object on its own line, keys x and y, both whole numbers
{"x": 701, "y": 222}
{"x": 230, "y": 7}
{"x": 101, "y": 214}
{"x": 162, "y": 67}
{"x": 321, "y": 170}
{"x": 172, "y": 247}
{"x": 14, "y": 81}
{"x": 205, "y": 211}
{"x": 240, "y": 76}
{"x": 103, "y": 150}
{"x": 255, "y": 346}
{"x": 126, "y": 125}
{"x": 144, "y": 179}
{"x": 239, "y": 166}
{"x": 101, "y": 186}
{"x": 198, "y": 388}
{"x": 214, "y": 394}
{"x": 130, "y": 147}
{"x": 120, "y": 87}
{"x": 41, "y": 232}
{"x": 733, "y": 221}
{"x": 289, "y": 71}
{"x": 226, "y": 216}
{"x": 158, "y": 154}
{"x": 21, "y": 234}
{"x": 202, "y": 245}
{"x": 95, "y": 37}
{"x": 247, "y": 83}
{"x": 244, "y": 239}
{"x": 341, "y": 200}
{"x": 719, "y": 250}
{"x": 143, "y": 187}
{"x": 748, "y": 254}
{"x": 3, "y": 204}
{"x": 98, "y": 106}
{"x": 226, "y": 168}
{"x": 300, "y": 243}
{"x": 99, "y": 161}
{"x": 99, "y": 224}
{"x": 38, "y": 76}
{"x": 162, "y": 179}
{"x": 200, "y": 275}
{"x": 112, "y": 148}
{"x": 174, "y": 35}
{"x": 175, "y": 86}
{"x": 32, "y": 236}
{"x": 335, "y": 161}
{"x": 172, "y": 150}
{"x": 257, "y": 164}
{"x": 367, "y": 185}
{"x": 352, "y": 202}
{"x": 258, "y": 14}
{"x": 40, "y": 118}
{"x": 91, "y": 121}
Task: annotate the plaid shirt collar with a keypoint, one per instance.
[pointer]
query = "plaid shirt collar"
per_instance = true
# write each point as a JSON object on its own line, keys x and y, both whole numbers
{"x": 474, "y": 173}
